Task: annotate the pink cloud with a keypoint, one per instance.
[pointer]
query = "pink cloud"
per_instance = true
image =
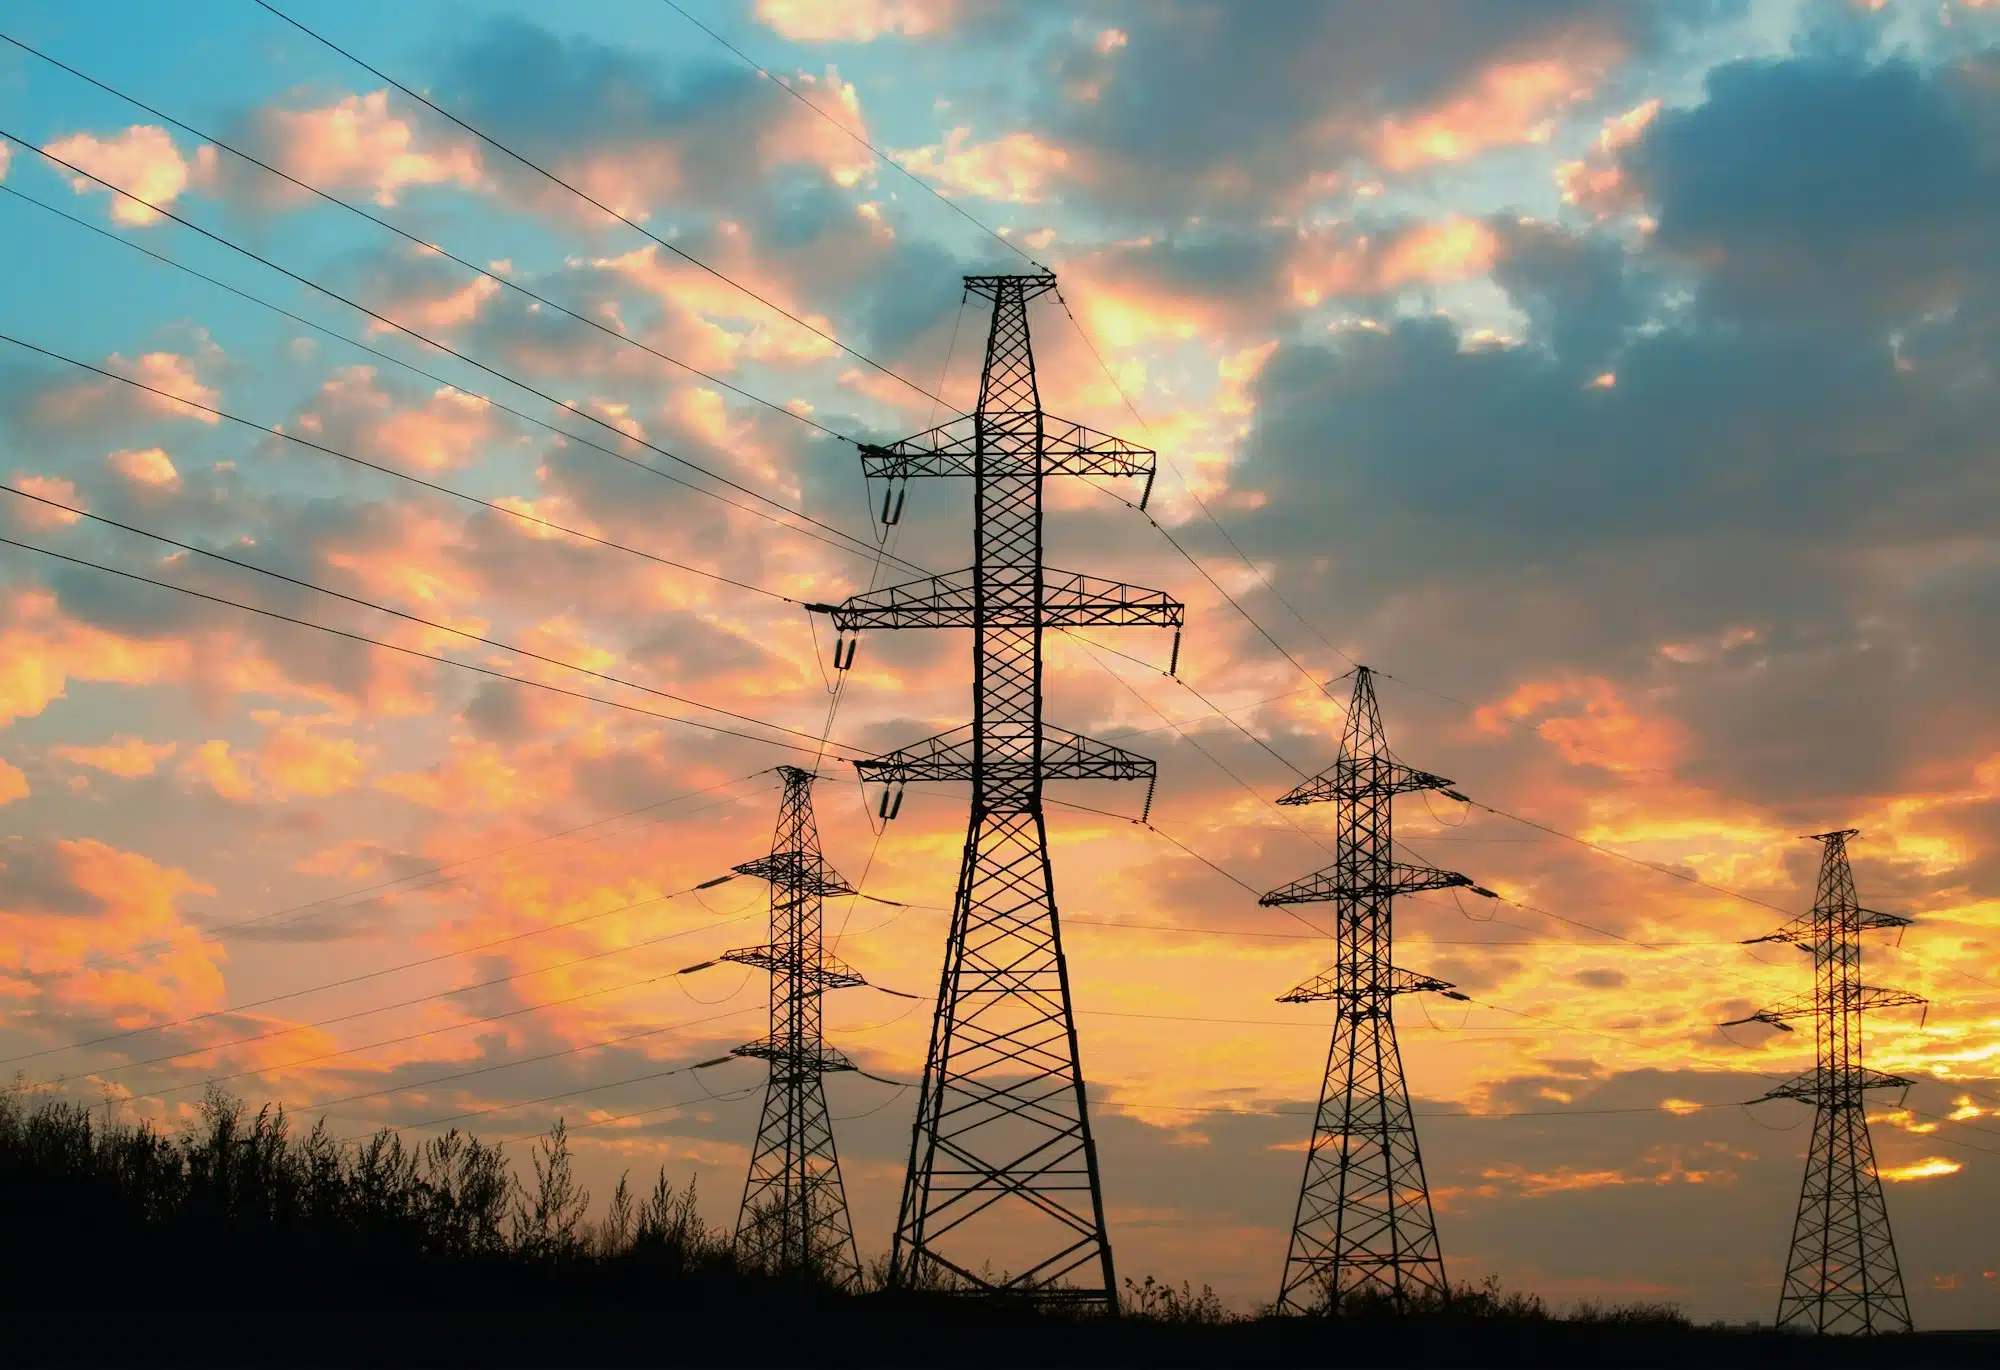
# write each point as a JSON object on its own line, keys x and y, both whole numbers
{"x": 855, "y": 21}
{"x": 358, "y": 144}
{"x": 1017, "y": 167}
{"x": 148, "y": 466}
{"x": 142, "y": 161}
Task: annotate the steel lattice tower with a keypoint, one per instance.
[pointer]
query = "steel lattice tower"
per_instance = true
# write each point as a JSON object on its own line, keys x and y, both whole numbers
{"x": 794, "y": 1214}
{"x": 1841, "y": 1274}
{"x": 1001, "y": 1155}
{"x": 1364, "y": 1222}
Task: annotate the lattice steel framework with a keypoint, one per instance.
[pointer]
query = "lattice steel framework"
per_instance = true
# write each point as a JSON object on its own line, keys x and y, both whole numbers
{"x": 794, "y": 1214}
{"x": 1841, "y": 1274}
{"x": 1001, "y": 1155}
{"x": 1363, "y": 1223}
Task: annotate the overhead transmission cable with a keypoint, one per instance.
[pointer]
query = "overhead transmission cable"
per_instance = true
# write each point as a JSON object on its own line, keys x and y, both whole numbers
{"x": 331, "y": 593}
{"x": 593, "y": 201}
{"x": 399, "y": 327}
{"x": 851, "y": 544}
{"x": 427, "y": 656}
{"x": 361, "y": 978}
{"x": 429, "y": 876}
{"x": 273, "y": 431}
{"x": 428, "y": 248}
{"x": 538, "y": 1007}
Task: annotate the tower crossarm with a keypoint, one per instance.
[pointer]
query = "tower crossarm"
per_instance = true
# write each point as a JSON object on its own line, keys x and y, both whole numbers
{"x": 1330, "y": 985}
{"x": 830, "y": 973}
{"x": 796, "y": 1058}
{"x": 1805, "y": 931}
{"x": 1333, "y": 882}
{"x": 951, "y": 756}
{"x": 952, "y": 449}
{"x": 1866, "y": 998}
{"x": 1069, "y": 599}
{"x": 789, "y": 870}
{"x": 1814, "y": 1087}
{"x": 1350, "y": 777}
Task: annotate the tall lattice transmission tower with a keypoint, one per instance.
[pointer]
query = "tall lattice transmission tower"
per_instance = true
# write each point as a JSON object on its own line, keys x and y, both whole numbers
{"x": 1841, "y": 1274}
{"x": 1003, "y": 1169}
{"x": 1364, "y": 1223}
{"x": 794, "y": 1214}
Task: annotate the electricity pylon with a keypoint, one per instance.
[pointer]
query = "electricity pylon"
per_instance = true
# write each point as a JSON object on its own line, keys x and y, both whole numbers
{"x": 1001, "y": 1156}
{"x": 794, "y": 1214}
{"x": 1363, "y": 1223}
{"x": 1841, "y": 1274}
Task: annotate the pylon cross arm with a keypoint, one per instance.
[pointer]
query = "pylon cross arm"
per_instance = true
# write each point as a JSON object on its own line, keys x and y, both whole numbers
{"x": 830, "y": 973}
{"x": 1352, "y": 778}
{"x": 1394, "y": 878}
{"x": 1069, "y": 599}
{"x": 1332, "y": 985}
{"x": 787, "y": 870}
{"x": 1813, "y": 1086}
{"x": 1064, "y": 756}
{"x": 797, "y": 1057}
{"x": 1067, "y": 448}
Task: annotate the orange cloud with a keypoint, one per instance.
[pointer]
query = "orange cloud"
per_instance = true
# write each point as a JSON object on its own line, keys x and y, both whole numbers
{"x": 358, "y": 144}
{"x": 66, "y": 903}
{"x": 13, "y": 785}
{"x": 855, "y": 21}
{"x": 40, "y": 651}
{"x": 296, "y": 760}
{"x": 1435, "y": 253}
{"x": 1929, "y": 1168}
{"x": 1607, "y": 733}
{"x": 147, "y": 466}
{"x": 442, "y": 432}
{"x": 1017, "y": 167}
{"x": 1595, "y": 181}
{"x": 212, "y": 762}
{"x": 142, "y": 160}
{"x": 1507, "y": 105}
{"x": 129, "y": 757}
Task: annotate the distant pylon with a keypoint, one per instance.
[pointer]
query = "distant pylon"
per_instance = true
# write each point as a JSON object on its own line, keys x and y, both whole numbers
{"x": 794, "y": 1214}
{"x": 1002, "y": 1162}
{"x": 1841, "y": 1274}
{"x": 1364, "y": 1222}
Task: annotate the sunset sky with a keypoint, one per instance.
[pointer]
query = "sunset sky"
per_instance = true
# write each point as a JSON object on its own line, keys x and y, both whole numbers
{"x": 1616, "y": 376}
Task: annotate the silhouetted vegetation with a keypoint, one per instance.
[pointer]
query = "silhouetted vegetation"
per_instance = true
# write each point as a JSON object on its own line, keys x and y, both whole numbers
{"x": 242, "y": 1240}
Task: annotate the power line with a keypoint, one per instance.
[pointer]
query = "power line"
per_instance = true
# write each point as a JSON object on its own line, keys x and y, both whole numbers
{"x": 529, "y": 1061}
{"x": 852, "y": 545}
{"x": 880, "y": 155}
{"x": 592, "y": 200}
{"x": 383, "y": 608}
{"x": 425, "y": 656}
{"x": 429, "y": 341}
{"x": 359, "y": 979}
{"x": 541, "y": 1007}
{"x": 429, "y": 248}
{"x": 210, "y": 929}
{"x": 270, "y": 430}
